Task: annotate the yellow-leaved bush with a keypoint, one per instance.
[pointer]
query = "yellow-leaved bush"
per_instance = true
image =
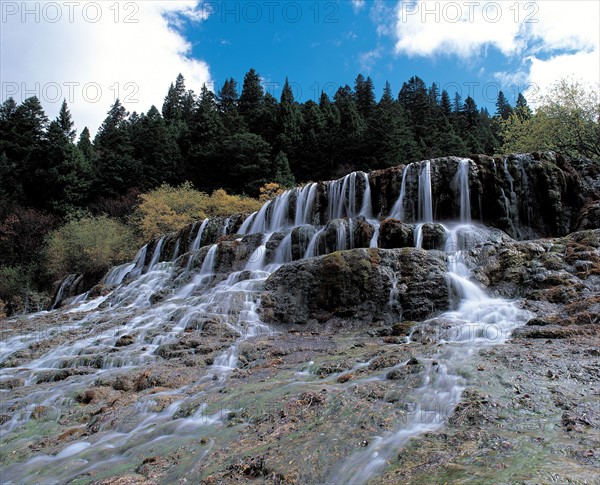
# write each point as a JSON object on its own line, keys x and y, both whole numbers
{"x": 167, "y": 209}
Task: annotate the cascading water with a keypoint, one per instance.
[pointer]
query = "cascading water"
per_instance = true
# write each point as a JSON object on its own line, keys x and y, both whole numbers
{"x": 425, "y": 199}
{"x": 397, "y": 211}
{"x": 478, "y": 321}
{"x": 189, "y": 298}
{"x": 463, "y": 183}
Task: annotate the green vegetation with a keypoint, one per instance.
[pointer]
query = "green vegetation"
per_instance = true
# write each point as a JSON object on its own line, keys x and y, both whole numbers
{"x": 567, "y": 120}
{"x": 148, "y": 173}
{"x": 88, "y": 245}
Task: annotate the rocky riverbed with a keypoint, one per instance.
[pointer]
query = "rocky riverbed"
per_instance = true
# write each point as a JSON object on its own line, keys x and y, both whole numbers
{"x": 312, "y": 343}
{"x": 529, "y": 413}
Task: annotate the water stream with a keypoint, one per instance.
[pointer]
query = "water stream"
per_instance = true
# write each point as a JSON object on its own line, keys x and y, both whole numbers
{"x": 189, "y": 298}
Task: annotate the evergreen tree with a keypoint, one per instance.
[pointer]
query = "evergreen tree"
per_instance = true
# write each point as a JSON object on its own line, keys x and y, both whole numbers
{"x": 117, "y": 169}
{"x": 312, "y": 156}
{"x": 85, "y": 146}
{"x": 503, "y": 108}
{"x": 245, "y": 157}
{"x": 351, "y": 131}
{"x": 65, "y": 122}
{"x": 227, "y": 103}
{"x": 522, "y": 109}
{"x": 156, "y": 149}
{"x": 389, "y": 135}
{"x": 29, "y": 142}
{"x": 446, "y": 105}
{"x": 251, "y": 99}
{"x": 365, "y": 96}
{"x": 290, "y": 122}
{"x": 282, "y": 174}
{"x": 207, "y": 133}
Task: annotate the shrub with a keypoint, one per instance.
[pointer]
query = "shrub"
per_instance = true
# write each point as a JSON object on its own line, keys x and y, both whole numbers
{"x": 169, "y": 209}
{"x": 88, "y": 245}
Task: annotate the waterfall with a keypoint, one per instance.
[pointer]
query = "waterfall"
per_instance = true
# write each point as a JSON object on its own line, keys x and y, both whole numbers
{"x": 256, "y": 261}
{"x": 342, "y": 195}
{"x": 463, "y": 183}
{"x": 425, "y": 199}
{"x": 284, "y": 251}
{"x": 156, "y": 254}
{"x": 366, "y": 209}
{"x": 198, "y": 239}
{"x": 397, "y": 211}
{"x": 65, "y": 285}
{"x": 305, "y": 201}
{"x": 152, "y": 307}
{"x": 478, "y": 321}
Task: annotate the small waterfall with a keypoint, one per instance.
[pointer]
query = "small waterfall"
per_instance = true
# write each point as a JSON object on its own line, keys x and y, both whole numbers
{"x": 374, "y": 243}
{"x": 256, "y": 261}
{"x": 425, "y": 198}
{"x": 366, "y": 209}
{"x": 313, "y": 245}
{"x": 225, "y": 227}
{"x": 259, "y": 221}
{"x": 208, "y": 265}
{"x": 305, "y": 200}
{"x": 116, "y": 275}
{"x": 156, "y": 254}
{"x": 342, "y": 235}
{"x": 419, "y": 236}
{"x": 463, "y": 184}
{"x": 65, "y": 286}
{"x": 280, "y": 216}
{"x": 397, "y": 211}
{"x": 206, "y": 270}
{"x": 198, "y": 239}
{"x": 283, "y": 254}
{"x": 245, "y": 227}
{"x": 342, "y": 195}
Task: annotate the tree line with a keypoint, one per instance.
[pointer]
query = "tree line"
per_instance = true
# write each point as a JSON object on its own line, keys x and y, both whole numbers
{"x": 233, "y": 140}
{"x": 244, "y": 141}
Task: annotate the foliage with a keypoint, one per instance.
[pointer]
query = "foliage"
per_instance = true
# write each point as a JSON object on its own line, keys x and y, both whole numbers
{"x": 270, "y": 191}
{"x": 168, "y": 209}
{"x": 226, "y": 143}
{"x": 88, "y": 245}
{"x": 567, "y": 120}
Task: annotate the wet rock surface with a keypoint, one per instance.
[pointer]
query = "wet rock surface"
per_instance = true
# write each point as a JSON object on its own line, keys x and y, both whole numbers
{"x": 354, "y": 285}
{"x": 168, "y": 392}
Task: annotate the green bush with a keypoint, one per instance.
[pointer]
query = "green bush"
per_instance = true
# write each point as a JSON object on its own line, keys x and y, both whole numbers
{"x": 88, "y": 245}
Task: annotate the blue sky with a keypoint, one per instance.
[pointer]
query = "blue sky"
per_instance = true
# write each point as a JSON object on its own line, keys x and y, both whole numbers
{"x": 93, "y": 52}
{"x": 324, "y": 45}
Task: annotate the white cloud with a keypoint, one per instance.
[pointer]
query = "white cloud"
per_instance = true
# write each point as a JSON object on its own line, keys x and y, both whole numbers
{"x": 556, "y": 39}
{"x": 132, "y": 50}
{"x": 358, "y": 5}
{"x": 367, "y": 60}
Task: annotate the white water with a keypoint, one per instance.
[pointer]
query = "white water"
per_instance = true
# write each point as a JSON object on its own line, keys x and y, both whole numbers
{"x": 425, "y": 198}
{"x": 398, "y": 209}
{"x": 478, "y": 321}
{"x": 190, "y": 299}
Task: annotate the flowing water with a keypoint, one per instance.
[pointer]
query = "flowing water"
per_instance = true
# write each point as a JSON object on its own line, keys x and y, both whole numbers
{"x": 158, "y": 301}
{"x": 478, "y": 321}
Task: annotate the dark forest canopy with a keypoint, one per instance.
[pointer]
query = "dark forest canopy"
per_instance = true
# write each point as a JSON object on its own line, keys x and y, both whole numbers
{"x": 238, "y": 139}
{"x": 56, "y": 187}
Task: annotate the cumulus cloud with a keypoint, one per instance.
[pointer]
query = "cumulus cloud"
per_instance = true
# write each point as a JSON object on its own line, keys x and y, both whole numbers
{"x": 93, "y": 52}
{"x": 555, "y": 39}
